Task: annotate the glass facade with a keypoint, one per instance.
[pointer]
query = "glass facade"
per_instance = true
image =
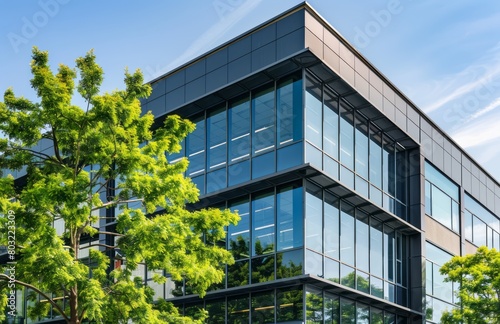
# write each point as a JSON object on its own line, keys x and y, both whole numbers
{"x": 249, "y": 137}
{"x": 441, "y": 198}
{"x": 480, "y": 225}
{"x": 440, "y": 294}
{"x": 346, "y": 245}
{"x": 348, "y": 147}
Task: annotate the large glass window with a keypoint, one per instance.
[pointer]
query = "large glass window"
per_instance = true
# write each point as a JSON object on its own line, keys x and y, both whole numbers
{"x": 263, "y": 120}
{"x": 314, "y": 218}
{"x": 289, "y": 109}
{"x": 239, "y": 234}
{"x": 362, "y": 242}
{"x": 440, "y": 294}
{"x": 263, "y": 224}
{"x": 313, "y": 111}
{"x": 195, "y": 147}
{"x": 347, "y": 238}
{"x": 239, "y": 130}
{"x": 346, "y": 136}
{"x": 289, "y": 218}
{"x": 331, "y": 125}
{"x": 332, "y": 226}
{"x": 481, "y": 226}
{"x": 216, "y": 132}
{"x": 441, "y": 197}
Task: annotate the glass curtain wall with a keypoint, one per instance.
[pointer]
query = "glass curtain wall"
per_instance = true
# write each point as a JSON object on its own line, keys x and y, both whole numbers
{"x": 347, "y": 246}
{"x": 348, "y": 147}
{"x": 481, "y": 226}
{"x": 248, "y": 137}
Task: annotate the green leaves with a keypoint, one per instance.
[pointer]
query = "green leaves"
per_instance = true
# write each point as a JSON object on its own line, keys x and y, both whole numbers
{"x": 93, "y": 162}
{"x": 479, "y": 292}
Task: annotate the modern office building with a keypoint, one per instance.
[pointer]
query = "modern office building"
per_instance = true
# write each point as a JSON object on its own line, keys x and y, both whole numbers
{"x": 350, "y": 197}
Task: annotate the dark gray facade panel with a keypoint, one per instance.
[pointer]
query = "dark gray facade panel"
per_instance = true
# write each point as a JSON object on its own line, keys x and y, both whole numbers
{"x": 195, "y": 89}
{"x": 238, "y": 49}
{"x": 314, "y": 44}
{"x": 346, "y": 72}
{"x": 290, "y": 43}
{"x": 157, "y": 106}
{"x": 158, "y": 89}
{"x": 264, "y": 36}
{"x": 174, "y": 99}
{"x": 239, "y": 68}
{"x": 376, "y": 98}
{"x": 332, "y": 59}
{"x": 263, "y": 56}
{"x": 216, "y": 60}
{"x": 290, "y": 23}
{"x": 195, "y": 70}
{"x": 216, "y": 79}
{"x": 176, "y": 80}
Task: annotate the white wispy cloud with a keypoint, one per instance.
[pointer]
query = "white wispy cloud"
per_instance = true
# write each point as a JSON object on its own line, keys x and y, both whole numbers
{"x": 482, "y": 131}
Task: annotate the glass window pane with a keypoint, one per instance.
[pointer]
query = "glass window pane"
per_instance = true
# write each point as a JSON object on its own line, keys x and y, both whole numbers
{"x": 362, "y": 314}
{"x": 376, "y": 287}
{"x": 441, "y": 181}
{"x": 263, "y": 269}
{"x": 216, "y": 132}
{"x": 314, "y": 156}
{"x": 216, "y": 180}
{"x": 239, "y": 130}
{"x": 389, "y": 168}
{"x": 348, "y": 311}
{"x": 289, "y": 103}
{"x": 263, "y": 307}
{"x": 401, "y": 169}
{"x": 347, "y": 234}
{"x": 239, "y": 234}
{"x": 479, "y": 231}
{"x": 263, "y": 224}
{"x": 264, "y": 119}
{"x": 314, "y": 307}
{"x": 375, "y": 159}
{"x": 238, "y": 274}
{"x": 441, "y": 207}
{"x": 332, "y": 225}
{"x": 428, "y": 200}
{"x": 332, "y": 270}
{"x": 377, "y": 316}
{"x": 376, "y": 265}
{"x": 314, "y": 264}
{"x": 199, "y": 181}
{"x": 347, "y": 276}
{"x": 290, "y": 156}
{"x": 263, "y": 165}
{"x": 361, "y": 141}
{"x": 216, "y": 311}
{"x": 332, "y": 308}
{"x": 289, "y": 305}
{"x": 195, "y": 146}
{"x": 346, "y": 136}
{"x": 238, "y": 310}
{"x": 362, "y": 242}
{"x": 314, "y": 218}
{"x": 363, "y": 281}
{"x": 289, "y": 215}
{"x": 239, "y": 173}
{"x": 389, "y": 255}
{"x": 313, "y": 111}
{"x": 331, "y": 125}
{"x": 289, "y": 264}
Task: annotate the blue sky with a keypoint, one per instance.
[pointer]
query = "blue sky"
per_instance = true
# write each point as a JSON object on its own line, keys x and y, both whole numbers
{"x": 444, "y": 55}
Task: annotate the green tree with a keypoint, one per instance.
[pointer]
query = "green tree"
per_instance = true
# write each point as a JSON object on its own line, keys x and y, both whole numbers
{"x": 103, "y": 156}
{"x": 478, "y": 276}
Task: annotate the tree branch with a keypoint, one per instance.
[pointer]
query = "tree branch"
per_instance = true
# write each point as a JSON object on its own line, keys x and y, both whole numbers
{"x": 27, "y": 285}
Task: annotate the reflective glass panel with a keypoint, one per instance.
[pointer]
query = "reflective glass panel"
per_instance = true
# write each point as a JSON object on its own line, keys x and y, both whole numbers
{"x": 332, "y": 226}
{"x": 239, "y": 234}
{"x": 263, "y": 307}
{"x": 216, "y": 132}
{"x": 238, "y": 310}
{"x": 289, "y": 104}
{"x": 331, "y": 125}
{"x": 346, "y": 136}
{"x": 195, "y": 147}
{"x": 313, "y": 110}
{"x": 289, "y": 306}
{"x": 264, "y": 120}
{"x": 239, "y": 130}
{"x": 347, "y": 234}
{"x": 314, "y": 218}
{"x": 289, "y": 217}
{"x": 263, "y": 224}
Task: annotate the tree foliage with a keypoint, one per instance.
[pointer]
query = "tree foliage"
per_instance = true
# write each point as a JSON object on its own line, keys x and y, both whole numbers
{"x": 479, "y": 292}
{"x": 102, "y": 157}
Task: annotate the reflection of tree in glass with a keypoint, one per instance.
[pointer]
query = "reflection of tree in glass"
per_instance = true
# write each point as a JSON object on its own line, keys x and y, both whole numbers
{"x": 289, "y": 306}
{"x": 332, "y": 307}
{"x": 361, "y": 284}
{"x": 239, "y": 247}
{"x": 314, "y": 307}
{"x": 237, "y": 310}
{"x": 263, "y": 267}
{"x": 263, "y": 308}
{"x": 216, "y": 311}
{"x": 237, "y": 274}
{"x": 288, "y": 269}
